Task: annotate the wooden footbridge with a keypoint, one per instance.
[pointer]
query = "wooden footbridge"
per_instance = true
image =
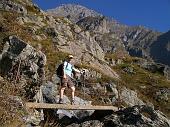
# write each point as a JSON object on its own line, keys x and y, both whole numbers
{"x": 68, "y": 106}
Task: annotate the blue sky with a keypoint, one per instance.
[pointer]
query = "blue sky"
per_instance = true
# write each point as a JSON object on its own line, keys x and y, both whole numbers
{"x": 154, "y": 14}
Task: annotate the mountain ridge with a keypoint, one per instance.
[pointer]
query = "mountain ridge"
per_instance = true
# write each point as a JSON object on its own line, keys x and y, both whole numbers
{"x": 137, "y": 40}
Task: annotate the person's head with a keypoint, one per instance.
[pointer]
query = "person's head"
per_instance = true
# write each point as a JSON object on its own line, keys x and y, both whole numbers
{"x": 70, "y": 57}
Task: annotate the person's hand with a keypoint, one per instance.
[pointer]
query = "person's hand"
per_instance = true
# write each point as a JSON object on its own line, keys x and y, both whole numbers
{"x": 82, "y": 72}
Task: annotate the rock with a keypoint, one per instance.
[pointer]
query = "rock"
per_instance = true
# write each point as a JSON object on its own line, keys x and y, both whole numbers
{"x": 119, "y": 61}
{"x": 20, "y": 20}
{"x": 112, "y": 121}
{"x": 92, "y": 123}
{"x": 155, "y": 67}
{"x": 50, "y": 92}
{"x": 77, "y": 29}
{"x": 56, "y": 80}
{"x": 78, "y": 114}
{"x": 11, "y": 6}
{"x": 130, "y": 97}
{"x": 95, "y": 24}
{"x": 111, "y": 87}
{"x": 1, "y": 78}
{"x": 33, "y": 119}
{"x": 136, "y": 116}
{"x": 129, "y": 70}
{"x": 51, "y": 95}
{"x": 51, "y": 32}
{"x": 163, "y": 95}
{"x": 167, "y": 72}
{"x": 18, "y": 54}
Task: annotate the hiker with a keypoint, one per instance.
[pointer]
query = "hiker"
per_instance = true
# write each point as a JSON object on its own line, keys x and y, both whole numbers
{"x": 66, "y": 79}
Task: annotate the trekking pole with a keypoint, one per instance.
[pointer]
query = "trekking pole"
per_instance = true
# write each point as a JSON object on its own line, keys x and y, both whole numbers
{"x": 84, "y": 85}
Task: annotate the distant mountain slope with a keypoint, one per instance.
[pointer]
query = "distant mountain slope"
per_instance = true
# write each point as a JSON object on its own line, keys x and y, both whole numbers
{"x": 137, "y": 40}
{"x": 160, "y": 49}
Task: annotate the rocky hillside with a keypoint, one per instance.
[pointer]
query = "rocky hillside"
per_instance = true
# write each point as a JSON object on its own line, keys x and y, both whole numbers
{"x": 33, "y": 43}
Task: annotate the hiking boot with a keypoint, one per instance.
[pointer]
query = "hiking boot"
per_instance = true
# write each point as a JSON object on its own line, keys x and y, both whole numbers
{"x": 61, "y": 101}
{"x": 73, "y": 102}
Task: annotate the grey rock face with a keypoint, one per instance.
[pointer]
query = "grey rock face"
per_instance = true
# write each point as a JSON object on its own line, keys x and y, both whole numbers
{"x": 11, "y": 6}
{"x": 50, "y": 92}
{"x": 19, "y": 61}
{"x": 130, "y": 97}
{"x": 95, "y": 24}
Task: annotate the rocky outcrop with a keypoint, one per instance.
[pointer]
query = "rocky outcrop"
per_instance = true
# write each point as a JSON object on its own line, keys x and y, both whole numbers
{"x": 130, "y": 97}
{"x": 155, "y": 67}
{"x": 20, "y": 61}
{"x": 94, "y": 24}
{"x": 8, "y": 5}
{"x": 137, "y": 116}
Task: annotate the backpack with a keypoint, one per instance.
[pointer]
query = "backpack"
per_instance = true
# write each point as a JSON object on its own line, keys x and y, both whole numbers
{"x": 59, "y": 70}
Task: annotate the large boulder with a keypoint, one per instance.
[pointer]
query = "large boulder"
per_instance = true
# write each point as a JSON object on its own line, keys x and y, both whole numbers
{"x": 19, "y": 61}
{"x": 130, "y": 97}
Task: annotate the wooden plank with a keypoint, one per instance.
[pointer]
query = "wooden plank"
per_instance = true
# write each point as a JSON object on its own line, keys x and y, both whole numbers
{"x": 68, "y": 106}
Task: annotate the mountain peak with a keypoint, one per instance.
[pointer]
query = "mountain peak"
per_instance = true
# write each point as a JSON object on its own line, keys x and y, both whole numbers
{"x": 74, "y": 12}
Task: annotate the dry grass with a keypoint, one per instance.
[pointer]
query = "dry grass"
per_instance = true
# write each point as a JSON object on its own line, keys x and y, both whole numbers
{"x": 11, "y": 110}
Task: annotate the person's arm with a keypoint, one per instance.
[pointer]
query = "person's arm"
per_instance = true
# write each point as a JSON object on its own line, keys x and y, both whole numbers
{"x": 76, "y": 70}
